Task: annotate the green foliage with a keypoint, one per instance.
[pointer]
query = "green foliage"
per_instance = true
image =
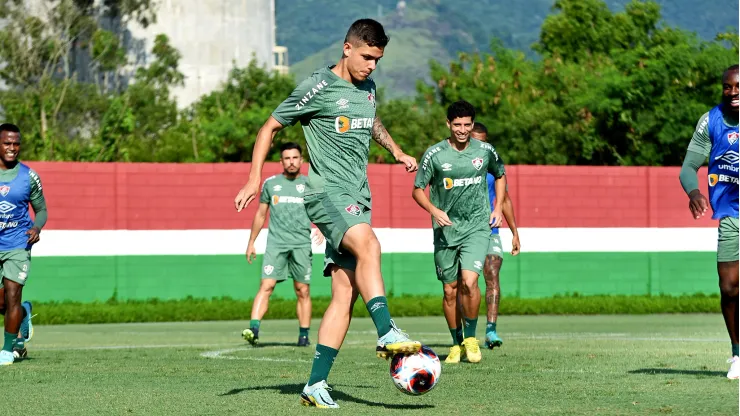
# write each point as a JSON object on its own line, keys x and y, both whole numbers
{"x": 54, "y": 313}
{"x": 606, "y": 88}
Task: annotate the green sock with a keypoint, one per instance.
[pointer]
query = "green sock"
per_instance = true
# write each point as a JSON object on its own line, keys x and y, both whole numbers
{"x": 453, "y": 332}
{"x": 322, "y": 362}
{"x": 302, "y": 332}
{"x": 459, "y": 335}
{"x": 490, "y": 326}
{"x": 254, "y": 323}
{"x": 378, "y": 308}
{"x": 735, "y": 348}
{"x": 9, "y": 341}
{"x": 470, "y": 325}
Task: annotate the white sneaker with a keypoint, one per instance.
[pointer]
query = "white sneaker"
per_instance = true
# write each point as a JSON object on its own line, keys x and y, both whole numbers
{"x": 734, "y": 372}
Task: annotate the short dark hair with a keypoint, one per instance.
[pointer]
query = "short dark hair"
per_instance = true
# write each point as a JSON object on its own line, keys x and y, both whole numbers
{"x": 480, "y": 128}
{"x": 290, "y": 145}
{"x": 460, "y": 109}
{"x": 730, "y": 69}
{"x": 367, "y": 31}
{"x": 10, "y": 128}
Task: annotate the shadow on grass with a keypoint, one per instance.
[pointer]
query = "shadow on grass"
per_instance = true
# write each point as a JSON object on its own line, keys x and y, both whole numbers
{"x": 296, "y": 389}
{"x": 670, "y": 371}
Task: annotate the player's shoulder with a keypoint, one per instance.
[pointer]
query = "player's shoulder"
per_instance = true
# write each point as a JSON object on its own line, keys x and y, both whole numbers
{"x": 429, "y": 154}
{"x": 318, "y": 82}
{"x": 270, "y": 179}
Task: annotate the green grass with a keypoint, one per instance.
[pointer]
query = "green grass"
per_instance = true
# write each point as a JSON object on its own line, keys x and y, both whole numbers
{"x": 549, "y": 365}
{"x": 223, "y": 309}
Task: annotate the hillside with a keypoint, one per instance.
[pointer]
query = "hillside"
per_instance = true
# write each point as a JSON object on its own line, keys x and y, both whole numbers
{"x": 438, "y": 29}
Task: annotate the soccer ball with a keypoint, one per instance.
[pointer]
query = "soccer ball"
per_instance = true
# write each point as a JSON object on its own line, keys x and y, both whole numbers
{"x": 416, "y": 374}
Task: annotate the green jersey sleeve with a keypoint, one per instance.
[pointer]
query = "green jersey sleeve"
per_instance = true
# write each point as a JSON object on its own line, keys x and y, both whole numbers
{"x": 700, "y": 142}
{"x": 304, "y": 102}
{"x": 38, "y": 202}
{"x": 265, "y": 195}
{"x": 495, "y": 164}
{"x": 426, "y": 171}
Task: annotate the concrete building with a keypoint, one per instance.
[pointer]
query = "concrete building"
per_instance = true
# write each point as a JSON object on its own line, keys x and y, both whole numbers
{"x": 212, "y": 36}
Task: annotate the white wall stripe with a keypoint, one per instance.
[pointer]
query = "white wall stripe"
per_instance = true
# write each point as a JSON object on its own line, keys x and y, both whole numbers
{"x": 205, "y": 242}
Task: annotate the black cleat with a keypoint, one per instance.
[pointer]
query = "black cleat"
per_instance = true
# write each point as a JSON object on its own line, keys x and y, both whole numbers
{"x": 303, "y": 342}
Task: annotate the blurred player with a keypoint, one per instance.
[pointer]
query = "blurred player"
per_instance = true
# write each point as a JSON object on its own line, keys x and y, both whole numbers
{"x": 288, "y": 252}
{"x": 455, "y": 170}
{"x": 336, "y": 106}
{"x": 494, "y": 259}
{"x": 19, "y": 187}
{"x": 716, "y": 137}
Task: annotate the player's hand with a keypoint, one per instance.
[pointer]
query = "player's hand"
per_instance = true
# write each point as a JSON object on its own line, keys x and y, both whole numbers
{"x": 317, "y": 237}
{"x": 246, "y": 195}
{"x": 515, "y": 245}
{"x": 251, "y": 253}
{"x": 409, "y": 161}
{"x": 33, "y": 236}
{"x": 441, "y": 218}
{"x": 698, "y": 204}
{"x": 497, "y": 218}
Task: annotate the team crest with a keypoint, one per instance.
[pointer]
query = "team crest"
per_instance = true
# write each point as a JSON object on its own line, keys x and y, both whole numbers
{"x": 269, "y": 269}
{"x": 353, "y": 210}
{"x": 731, "y": 137}
{"x": 300, "y": 187}
{"x": 371, "y": 98}
{"x": 477, "y": 163}
{"x": 4, "y": 190}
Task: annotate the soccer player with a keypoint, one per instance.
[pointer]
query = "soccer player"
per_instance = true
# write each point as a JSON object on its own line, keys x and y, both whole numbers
{"x": 336, "y": 107}
{"x": 455, "y": 170}
{"x": 288, "y": 250}
{"x": 494, "y": 259}
{"x": 716, "y": 136}
{"x": 19, "y": 187}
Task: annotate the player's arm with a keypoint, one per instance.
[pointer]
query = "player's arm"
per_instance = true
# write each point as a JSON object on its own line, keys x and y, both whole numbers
{"x": 38, "y": 204}
{"x": 423, "y": 177}
{"x": 262, "y": 145}
{"x": 496, "y": 168}
{"x": 383, "y": 138}
{"x": 259, "y": 220}
{"x": 697, "y": 152}
{"x": 508, "y": 211}
{"x": 300, "y": 104}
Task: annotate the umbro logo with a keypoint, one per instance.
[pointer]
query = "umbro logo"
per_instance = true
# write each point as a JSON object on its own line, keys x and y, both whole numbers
{"x": 343, "y": 103}
{"x": 446, "y": 167}
{"x": 277, "y": 188}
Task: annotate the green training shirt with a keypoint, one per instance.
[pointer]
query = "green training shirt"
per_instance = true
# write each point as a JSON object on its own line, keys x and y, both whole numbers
{"x": 337, "y": 118}
{"x": 457, "y": 183}
{"x": 289, "y": 225}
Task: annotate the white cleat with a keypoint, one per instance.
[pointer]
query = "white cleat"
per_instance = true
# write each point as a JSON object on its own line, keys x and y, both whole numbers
{"x": 734, "y": 372}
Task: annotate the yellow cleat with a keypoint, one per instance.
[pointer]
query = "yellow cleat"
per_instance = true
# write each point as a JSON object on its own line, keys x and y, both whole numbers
{"x": 472, "y": 350}
{"x": 454, "y": 356}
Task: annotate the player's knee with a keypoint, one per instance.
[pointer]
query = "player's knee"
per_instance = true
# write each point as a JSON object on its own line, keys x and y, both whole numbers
{"x": 302, "y": 292}
{"x": 450, "y": 293}
{"x": 469, "y": 285}
{"x": 728, "y": 288}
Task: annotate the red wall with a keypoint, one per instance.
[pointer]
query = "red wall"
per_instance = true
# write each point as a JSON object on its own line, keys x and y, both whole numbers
{"x": 90, "y": 196}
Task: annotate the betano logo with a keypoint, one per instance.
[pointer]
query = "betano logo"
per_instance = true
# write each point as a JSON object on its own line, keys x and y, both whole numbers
{"x": 454, "y": 183}
{"x": 714, "y": 179}
{"x": 276, "y": 199}
{"x": 344, "y": 124}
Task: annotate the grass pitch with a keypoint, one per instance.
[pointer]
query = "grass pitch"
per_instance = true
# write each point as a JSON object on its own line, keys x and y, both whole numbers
{"x": 549, "y": 365}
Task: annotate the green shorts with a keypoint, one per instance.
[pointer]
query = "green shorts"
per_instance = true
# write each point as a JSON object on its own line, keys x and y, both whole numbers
{"x": 727, "y": 241}
{"x": 15, "y": 265}
{"x": 494, "y": 246}
{"x": 279, "y": 264}
{"x": 469, "y": 255}
{"x": 334, "y": 214}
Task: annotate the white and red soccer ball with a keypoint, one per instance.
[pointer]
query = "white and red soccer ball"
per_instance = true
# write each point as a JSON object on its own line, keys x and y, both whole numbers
{"x": 416, "y": 374}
